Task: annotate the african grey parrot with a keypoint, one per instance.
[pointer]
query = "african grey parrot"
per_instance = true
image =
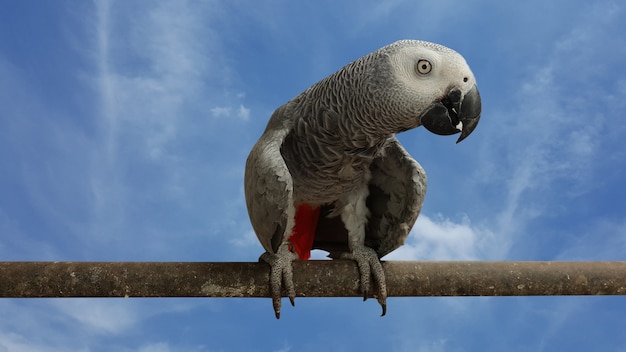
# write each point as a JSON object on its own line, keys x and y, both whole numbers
{"x": 328, "y": 172}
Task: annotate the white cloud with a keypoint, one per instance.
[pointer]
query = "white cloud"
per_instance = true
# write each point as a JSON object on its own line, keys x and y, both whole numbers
{"x": 241, "y": 112}
{"x": 444, "y": 239}
{"x": 221, "y": 111}
{"x": 155, "y": 347}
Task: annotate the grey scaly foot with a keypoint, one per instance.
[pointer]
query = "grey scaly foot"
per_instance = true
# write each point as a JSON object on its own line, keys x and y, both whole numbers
{"x": 368, "y": 263}
{"x": 281, "y": 272}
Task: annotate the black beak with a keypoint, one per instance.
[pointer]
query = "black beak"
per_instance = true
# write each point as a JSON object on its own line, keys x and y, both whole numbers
{"x": 455, "y": 113}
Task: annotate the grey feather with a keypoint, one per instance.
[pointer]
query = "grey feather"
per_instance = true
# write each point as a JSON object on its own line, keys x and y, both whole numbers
{"x": 268, "y": 185}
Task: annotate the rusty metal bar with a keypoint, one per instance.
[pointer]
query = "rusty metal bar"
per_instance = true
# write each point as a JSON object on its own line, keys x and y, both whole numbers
{"x": 311, "y": 278}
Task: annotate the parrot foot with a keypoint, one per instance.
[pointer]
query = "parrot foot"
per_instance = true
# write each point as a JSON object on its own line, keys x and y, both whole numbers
{"x": 281, "y": 272}
{"x": 368, "y": 263}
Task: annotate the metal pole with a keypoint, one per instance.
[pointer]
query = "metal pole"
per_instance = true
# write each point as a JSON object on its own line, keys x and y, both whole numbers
{"x": 324, "y": 278}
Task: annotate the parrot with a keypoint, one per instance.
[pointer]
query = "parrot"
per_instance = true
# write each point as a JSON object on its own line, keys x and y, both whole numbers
{"x": 329, "y": 173}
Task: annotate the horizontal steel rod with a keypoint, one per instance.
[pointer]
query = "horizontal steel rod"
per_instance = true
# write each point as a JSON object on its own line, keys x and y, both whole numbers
{"x": 323, "y": 278}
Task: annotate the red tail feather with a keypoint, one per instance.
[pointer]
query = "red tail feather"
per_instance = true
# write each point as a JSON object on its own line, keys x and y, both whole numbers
{"x": 304, "y": 230}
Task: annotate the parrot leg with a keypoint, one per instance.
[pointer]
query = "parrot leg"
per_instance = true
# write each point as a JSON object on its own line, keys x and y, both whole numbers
{"x": 369, "y": 264}
{"x": 281, "y": 272}
{"x": 354, "y": 217}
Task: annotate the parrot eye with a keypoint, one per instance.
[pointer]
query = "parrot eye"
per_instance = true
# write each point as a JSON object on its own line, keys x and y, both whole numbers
{"x": 424, "y": 66}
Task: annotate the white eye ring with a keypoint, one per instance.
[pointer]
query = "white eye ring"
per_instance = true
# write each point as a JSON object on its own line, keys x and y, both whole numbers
{"x": 424, "y": 66}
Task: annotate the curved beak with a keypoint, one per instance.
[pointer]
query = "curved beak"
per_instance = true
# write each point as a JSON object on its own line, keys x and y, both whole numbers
{"x": 455, "y": 113}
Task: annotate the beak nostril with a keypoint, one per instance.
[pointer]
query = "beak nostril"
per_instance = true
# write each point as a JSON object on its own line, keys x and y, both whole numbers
{"x": 454, "y": 96}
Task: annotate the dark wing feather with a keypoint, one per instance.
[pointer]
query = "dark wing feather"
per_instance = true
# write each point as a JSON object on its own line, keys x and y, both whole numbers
{"x": 397, "y": 191}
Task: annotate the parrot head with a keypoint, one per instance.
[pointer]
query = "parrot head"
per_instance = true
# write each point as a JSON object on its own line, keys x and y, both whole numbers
{"x": 438, "y": 84}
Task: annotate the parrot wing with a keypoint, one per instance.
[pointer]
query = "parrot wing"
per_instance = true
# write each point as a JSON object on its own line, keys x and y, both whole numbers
{"x": 397, "y": 190}
{"x": 268, "y": 185}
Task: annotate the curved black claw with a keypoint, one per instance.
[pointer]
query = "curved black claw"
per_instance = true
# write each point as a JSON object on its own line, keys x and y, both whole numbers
{"x": 368, "y": 263}
{"x": 281, "y": 272}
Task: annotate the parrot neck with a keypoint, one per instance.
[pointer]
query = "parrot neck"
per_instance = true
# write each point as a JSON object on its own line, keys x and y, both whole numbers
{"x": 303, "y": 232}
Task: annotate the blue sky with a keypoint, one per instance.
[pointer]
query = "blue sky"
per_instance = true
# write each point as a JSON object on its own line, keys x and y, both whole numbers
{"x": 124, "y": 128}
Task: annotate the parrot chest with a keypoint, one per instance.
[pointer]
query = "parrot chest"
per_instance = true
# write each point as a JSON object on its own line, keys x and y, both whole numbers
{"x": 325, "y": 185}
{"x": 323, "y": 177}
{"x": 327, "y": 160}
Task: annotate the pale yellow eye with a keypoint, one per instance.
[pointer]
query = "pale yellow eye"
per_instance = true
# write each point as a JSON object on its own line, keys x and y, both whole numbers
{"x": 424, "y": 66}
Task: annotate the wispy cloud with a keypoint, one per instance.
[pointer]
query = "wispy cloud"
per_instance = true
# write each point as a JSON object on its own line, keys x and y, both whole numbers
{"x": 100, "y": 316}
{"x": 73, "y": 325}
{"x": 14, "y": 342}
{"x": 150, "y": 100}
{"x": 548, "y": 137}
{"x": 248, "y": 239}
{"x": 161, "y": 76}
{"x": 603, "y": 239}
{"x": 227, "y": 112}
